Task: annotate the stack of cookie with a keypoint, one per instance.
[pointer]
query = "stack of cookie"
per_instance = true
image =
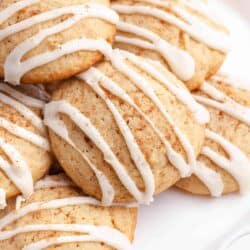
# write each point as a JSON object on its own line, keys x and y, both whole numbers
{"x": 125, "y": 97}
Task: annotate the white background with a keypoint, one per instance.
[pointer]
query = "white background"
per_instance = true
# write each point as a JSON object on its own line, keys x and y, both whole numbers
{"x": 178, "y": 221}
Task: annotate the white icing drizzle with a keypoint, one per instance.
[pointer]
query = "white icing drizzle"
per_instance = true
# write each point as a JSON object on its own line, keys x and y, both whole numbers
{"x": 18, "y": 170}
{"x": 197, "y": 6}
{"x": 201, "y": 114}
{"x": 17, "y": 101}
{"x": 133, "y": 147}
{"x": 5, "y": 14}
{"x": 36, "y": 61}
{"x": 107, "y": 235}
{"x": 181, "y": 63}
{"x": 35, "y": 139}
{"x": 238, "y": 164}
{"x": 235, "y": 80}
{"x": 19, "y": 200}
{"x": 14, "y": 68}
{"x": 144, "y": 85}
{"x": 42, "y": 205}
{"x": 210, "y": 178}
{"x": 3, "y": 203}
{"x": 118, "y": 58}
{"x": 25, "y": 111}
{"x": 224, "y": 103}
{"x": 47, "y": 182}
{"x": 186, "y": 21}
{"x": 24, "y": 99}
{"x": 204, "y": 9}
{"x": 53, "y": 121}
{"x": 175, "y": 158}
{"x": 51, "y": 182}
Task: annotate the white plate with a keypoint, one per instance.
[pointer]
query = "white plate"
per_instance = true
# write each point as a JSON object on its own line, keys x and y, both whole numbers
{"x": 178, "y": 221}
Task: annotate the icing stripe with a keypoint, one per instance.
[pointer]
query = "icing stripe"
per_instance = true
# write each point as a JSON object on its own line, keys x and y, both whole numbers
{"x": 92, "y": 77}
{"x": 233, "y": 80}
{"x": 110, "y": 239}
{"x": 224, "y": 103}
{"x": 52, "y": 120}
{"x": 135, "y": 41}
{"x": 108, "y": 235}
{"x": 23, "y": 110}
{"x": 238, "y": 164}
{"x": 133, "y": 147}
{"x": 18, "y": 171}
{"x": 14, "y": 68}
{"x": 51, "y": 182}
{"x": 78, "y": 11}
{"x": 25, "y": 134}
{"x": 53, "y": 204}
{"x": 192, "y": 25}
{"x": 19, "y": 200}
{"x": 204, "y": 9}
{"x": 3, "y": 203}
{"x": 98, "y": 81}
{"x": 175, "y": 158}
{"x": 14, "y": 8}
{"x": 183, "y": 95}
{"x": 210, "y": 178}
{"x": 141, "y": 82}
{"x": 36, "y": 61}
{"x": 181, "y": 63}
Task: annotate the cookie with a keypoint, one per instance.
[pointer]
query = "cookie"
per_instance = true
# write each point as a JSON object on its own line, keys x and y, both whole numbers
{"x": 183, "y": 35}
{"x": 24, "y": 147}
{"x": 58, "y": 216}
{"x": 224, "y": 164}
{"x": 126, "y": 129}
{"x": 48, "y": 40}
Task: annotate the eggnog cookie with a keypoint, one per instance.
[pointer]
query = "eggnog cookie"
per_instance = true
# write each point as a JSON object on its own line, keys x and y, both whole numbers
{"x": 24, "y": 148}
{"x": 184, "y": 35}
{"x": 126, "y": 129}
{"x": 47, "y": 40}
{"x": 224, "y": 164}
{"x": 57, "y": 216}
